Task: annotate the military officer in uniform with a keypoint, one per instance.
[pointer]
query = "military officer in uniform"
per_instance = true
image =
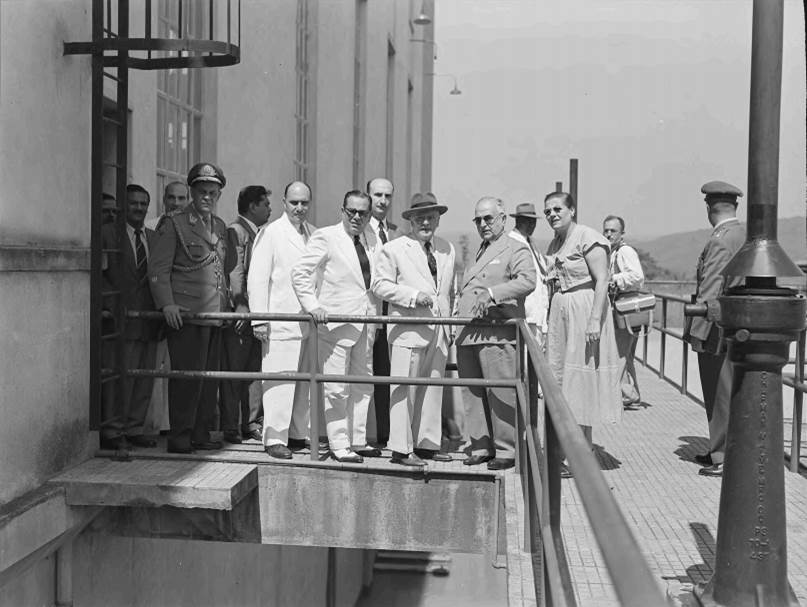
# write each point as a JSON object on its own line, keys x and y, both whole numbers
{"x": 702, "y": 333}
{"x": 186, "y": 274}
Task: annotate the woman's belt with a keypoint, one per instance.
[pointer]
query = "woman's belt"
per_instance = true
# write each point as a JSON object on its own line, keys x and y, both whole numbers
{"x": 589, "y": 284}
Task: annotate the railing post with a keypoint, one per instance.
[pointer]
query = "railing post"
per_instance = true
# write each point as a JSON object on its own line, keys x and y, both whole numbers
{"x": 684, "y": 366}
{"x": 644, "y": 347}
{"x": 798, "y": 400}
{"x": 663, "y": 352}
{"x": 313, "y": 389}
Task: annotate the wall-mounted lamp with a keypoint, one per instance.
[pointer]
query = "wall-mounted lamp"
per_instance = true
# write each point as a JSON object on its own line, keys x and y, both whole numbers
{"x": 432, "y": 42}
{"x": 422, "y": 18}
{"x": 456, "y": 90}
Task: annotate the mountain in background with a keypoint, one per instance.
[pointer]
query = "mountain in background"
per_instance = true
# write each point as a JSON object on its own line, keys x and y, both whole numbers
{"x": 672, "y": 257}
{"x": 678, "y": 253}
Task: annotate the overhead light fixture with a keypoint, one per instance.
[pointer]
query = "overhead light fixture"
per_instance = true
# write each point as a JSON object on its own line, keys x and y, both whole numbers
{"x": 422, "y": 18}
{"x": 456, "y": 90}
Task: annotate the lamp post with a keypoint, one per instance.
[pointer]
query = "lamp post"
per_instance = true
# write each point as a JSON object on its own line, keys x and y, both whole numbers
{"x": 456, "y": 90}
{"x": 760, "y": 320}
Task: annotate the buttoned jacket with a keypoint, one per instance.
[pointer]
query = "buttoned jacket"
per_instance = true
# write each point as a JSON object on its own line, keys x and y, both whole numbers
{"x": 506, "y": 268}
{"x": 724, "y": 241}
{"x": 186, "y": 266}
{"x": 278, "y": 247}
{"x": 329, "y": 276}
{"x": 120, "y": 274}
{"x": 401, "y": 273}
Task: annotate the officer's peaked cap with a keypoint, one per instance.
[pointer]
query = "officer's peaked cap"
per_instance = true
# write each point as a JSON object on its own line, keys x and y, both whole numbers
{"x": 205, "y": 171}
{"x": 720, "y": 190}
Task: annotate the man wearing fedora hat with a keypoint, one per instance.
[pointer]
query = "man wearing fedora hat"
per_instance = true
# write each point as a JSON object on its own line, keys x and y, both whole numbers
{"x": 414, "y": 274}
{"x": 537, "y": 302}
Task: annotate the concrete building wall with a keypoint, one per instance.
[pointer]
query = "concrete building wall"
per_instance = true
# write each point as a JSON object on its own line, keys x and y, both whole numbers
{"x": 179, "y": 573}
{"x": 45, "y": 126}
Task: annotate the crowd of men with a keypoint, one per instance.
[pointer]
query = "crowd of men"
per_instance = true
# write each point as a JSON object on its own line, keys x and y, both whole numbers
{"x": 188, "y": 262}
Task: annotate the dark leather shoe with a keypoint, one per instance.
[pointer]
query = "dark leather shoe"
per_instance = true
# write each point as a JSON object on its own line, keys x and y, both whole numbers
{"x": 231, "y": 436}
{"x": 368, "y": 452}
{"x": 278, "y": 451}
{"x": 405, "y": 459}
{"x": 252, "y": 435}
{"x": 350, "y": 458}
{"x": 475, "y": 460}
{"x": 209, "y": 445}
{"x": 295, "y": 444}
{"x": 713, "y": 470}
{"x": 704, "y": 459}
{"x": 498, "y": 463}
{"x": 437, "y": 456}
{"x": 113, "y": 444}
{"x": 138, "y": 440}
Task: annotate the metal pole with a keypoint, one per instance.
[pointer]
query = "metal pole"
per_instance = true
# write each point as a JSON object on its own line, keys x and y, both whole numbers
{"x": 558, "y": 186}
{"x": 573, "y": 181}
{"x": 798, "y": 402}
{"x": 313, "y": 390}
{"x": 759, "y": 320}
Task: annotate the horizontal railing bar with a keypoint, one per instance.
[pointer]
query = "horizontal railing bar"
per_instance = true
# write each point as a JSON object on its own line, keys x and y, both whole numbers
{"x": 634, "y": 583}
{"x": 671, "y": 297}
{"x": 678, "y": 333}
{"x": 675, "y": 384}
{"x": 266, "y": 316}
{"x": 110, "y": 336}
{"x": 321, "y": 377}
{"x": 790, "y": 381}
{"x": 113, "y": 293}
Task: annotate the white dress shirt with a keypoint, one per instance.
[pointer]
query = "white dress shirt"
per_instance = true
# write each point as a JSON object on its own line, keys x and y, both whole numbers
{"x": 626, "y": 269}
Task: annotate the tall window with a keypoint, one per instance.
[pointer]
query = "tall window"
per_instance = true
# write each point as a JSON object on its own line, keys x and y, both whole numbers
{"x": 179, "y": 97}
{"x": 301, "y": 111}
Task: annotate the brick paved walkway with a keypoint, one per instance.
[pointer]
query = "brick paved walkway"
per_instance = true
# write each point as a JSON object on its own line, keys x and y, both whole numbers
{"x": 647, "y": 461}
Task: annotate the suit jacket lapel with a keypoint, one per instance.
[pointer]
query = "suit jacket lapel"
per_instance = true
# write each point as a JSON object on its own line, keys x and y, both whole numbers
{"x": 418, "y": 257}
{"x": 346, "y": 240}
{"x": 294, "y": 235}
{"x": 492, "y": 252}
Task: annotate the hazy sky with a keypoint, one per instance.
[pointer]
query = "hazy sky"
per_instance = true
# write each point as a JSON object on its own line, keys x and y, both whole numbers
{"x": 650, "y": 95}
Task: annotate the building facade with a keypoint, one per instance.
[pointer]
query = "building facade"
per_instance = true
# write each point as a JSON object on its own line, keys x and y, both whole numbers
{"x": 333, "y": 92}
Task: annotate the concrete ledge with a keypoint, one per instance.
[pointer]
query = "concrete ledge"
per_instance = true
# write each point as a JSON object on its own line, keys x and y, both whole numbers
{"x": 155, "y": 483}
{"x": 44, "y": 259}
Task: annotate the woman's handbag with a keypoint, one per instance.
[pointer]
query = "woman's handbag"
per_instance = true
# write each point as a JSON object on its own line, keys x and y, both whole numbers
{"x": 633, "y": 310}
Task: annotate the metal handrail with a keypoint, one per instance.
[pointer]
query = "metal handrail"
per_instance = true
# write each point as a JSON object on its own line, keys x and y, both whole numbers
{"x": 794, "y": 380}
{"x": 539, "y": 469}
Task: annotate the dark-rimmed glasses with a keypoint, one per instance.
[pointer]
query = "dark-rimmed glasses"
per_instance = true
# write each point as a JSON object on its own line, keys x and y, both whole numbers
{"x": 355, "y": 212}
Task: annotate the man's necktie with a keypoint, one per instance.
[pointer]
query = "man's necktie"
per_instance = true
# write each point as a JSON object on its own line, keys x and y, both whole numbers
{"x": 482, "y": 250}
{"x": 303, "y": 232}
{"x": 364, "y": 262}
{"x": 431, "y": 261}
{"x": 381, "y": 233}
{"x": 140, "y": 254}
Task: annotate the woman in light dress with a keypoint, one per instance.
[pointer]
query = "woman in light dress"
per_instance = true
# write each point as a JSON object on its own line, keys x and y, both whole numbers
{"x": 581, "y": 347}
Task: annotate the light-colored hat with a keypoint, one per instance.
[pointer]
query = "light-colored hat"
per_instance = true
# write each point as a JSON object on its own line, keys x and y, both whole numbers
{"x": 525, "y": 209}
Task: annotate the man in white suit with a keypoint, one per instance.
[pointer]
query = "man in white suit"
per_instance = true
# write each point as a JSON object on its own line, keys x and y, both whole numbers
{"x": 333, "y": 277}
{"x": 536, "y": 304}
{"x": 278, "y": 247}
{"x": 415, "y": 274}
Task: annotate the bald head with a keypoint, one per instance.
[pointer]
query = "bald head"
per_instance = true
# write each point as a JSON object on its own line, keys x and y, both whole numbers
{"x": 175, "y": 196}
{"x": 380, "y": 191}
{"x": 297, "y": 201}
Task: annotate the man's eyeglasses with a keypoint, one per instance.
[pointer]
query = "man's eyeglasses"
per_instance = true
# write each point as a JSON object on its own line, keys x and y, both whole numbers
{"x": 354, "y": 212}
{"x": 488, "y": 219}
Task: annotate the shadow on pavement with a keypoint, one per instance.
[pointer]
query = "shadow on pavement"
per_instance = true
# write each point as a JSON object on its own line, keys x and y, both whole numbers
{"x": 691, "y": 447}
{"x": 605, "y": 459}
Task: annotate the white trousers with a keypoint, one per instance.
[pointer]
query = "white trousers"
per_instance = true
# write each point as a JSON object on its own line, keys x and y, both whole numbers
{"x": 285, "y": 403}
{"x": 415, "y": 411}
{"x": 346, "y": 404}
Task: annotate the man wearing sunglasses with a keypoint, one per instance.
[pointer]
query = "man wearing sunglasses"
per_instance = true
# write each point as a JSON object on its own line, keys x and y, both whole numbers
{"x": 333, "y": 277}
{"x": 493, "y": 288}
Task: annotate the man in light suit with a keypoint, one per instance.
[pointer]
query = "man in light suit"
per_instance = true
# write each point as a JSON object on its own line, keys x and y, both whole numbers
{"x": 333, "y": 277}
{"x": 703, "y": 333}
{"x": 242, "y": 352}
{"x": 279, "y": 246}
{"x": 380, "y": 191}
{"x": 415, "y": 275}
{"x": 493, "y": 288}
{"x": 127, "y": 272}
